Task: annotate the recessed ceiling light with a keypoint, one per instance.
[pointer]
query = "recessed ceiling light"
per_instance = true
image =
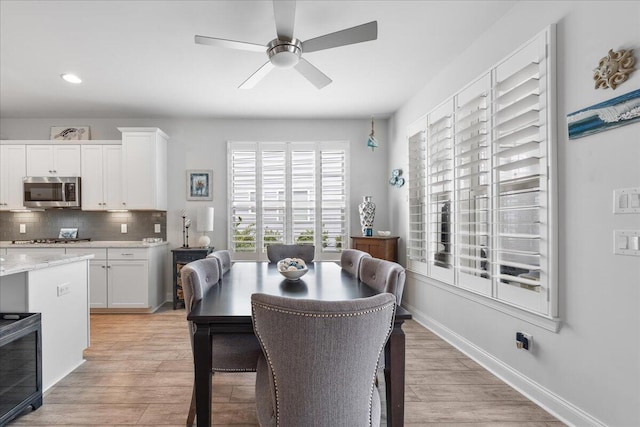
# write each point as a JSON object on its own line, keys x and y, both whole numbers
{"x": 71, "y": 78}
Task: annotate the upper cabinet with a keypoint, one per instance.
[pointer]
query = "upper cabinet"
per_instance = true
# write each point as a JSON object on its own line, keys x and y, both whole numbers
{"x": 53, "y": 160}
{"x": 12, "y": 170}
{"x": 101, "y": 177}
{"x": 144, "y": 169}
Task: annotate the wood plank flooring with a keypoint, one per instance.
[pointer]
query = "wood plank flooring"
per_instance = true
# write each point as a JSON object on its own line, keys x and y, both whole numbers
{"x": 139, "y": 372}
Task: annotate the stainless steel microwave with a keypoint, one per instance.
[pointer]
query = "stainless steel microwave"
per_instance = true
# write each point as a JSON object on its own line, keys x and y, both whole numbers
{"x": 51, "y": 191}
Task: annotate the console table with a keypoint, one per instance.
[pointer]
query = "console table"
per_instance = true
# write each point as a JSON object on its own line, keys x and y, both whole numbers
{"x": 182, "y": 257}
{"x": 383, "y": 247}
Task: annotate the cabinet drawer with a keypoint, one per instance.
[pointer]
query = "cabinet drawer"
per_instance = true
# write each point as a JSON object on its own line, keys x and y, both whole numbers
{"x": 100, "y": 253}
{"x": 127, "y": 253}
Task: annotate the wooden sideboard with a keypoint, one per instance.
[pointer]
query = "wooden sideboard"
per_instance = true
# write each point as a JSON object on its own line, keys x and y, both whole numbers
{"x": 378, "y": 246}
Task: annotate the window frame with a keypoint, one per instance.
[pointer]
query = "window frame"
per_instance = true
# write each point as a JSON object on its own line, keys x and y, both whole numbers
{"x": 318, "y": 147}
{"x": 546, "y": 305}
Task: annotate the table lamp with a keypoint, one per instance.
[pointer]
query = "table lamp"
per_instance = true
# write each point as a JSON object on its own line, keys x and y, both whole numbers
{"x": 204, "y": 224}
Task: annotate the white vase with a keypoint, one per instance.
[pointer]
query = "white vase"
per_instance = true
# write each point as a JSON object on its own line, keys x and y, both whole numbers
{"x": 367, "y": 210}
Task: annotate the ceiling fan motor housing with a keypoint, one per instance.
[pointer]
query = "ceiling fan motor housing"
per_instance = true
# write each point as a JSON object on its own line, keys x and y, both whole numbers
{"x": 284, "y": 53}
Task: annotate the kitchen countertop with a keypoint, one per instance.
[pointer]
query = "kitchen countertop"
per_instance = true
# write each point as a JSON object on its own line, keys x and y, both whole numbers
{"x": 92, "y": 244}
{"x": 18, "y": 263}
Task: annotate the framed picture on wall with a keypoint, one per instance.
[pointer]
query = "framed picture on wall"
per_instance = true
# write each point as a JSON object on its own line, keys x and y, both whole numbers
{"x": 200, "y": 184}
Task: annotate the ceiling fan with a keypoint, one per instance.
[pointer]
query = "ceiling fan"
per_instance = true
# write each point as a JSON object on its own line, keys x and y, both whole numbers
{"x": 285, "y": 51}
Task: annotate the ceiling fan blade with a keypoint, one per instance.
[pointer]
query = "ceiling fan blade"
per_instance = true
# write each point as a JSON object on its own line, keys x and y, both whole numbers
{"x": 285, "y": 13}
{"x": 232, "y": 44}
{"x": 359, "y": 34}
{"x": 257, "y": 76}
{"x": 311, "y": 73}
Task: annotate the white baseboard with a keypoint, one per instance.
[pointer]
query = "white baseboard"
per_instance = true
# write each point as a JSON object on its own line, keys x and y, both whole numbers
{"x": 551, "y": 402}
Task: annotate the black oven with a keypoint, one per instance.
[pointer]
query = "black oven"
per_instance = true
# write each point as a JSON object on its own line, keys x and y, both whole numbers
{"x": 20, "y": 364}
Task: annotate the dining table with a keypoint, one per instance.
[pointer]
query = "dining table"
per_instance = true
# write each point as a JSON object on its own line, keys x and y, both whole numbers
{"x": 226, "y": 308}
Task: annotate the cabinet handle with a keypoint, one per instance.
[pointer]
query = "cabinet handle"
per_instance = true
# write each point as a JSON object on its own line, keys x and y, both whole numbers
{"x": 104, "y": 266}
{"x": 127, "y": 254}
{"x": 124, "y": 203}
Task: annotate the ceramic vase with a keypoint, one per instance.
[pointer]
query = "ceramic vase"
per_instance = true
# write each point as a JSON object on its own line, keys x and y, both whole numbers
{"x": 367, "y": 210}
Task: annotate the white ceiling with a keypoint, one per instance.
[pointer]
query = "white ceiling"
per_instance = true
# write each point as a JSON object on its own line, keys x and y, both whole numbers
{"x": 139, "y": 59}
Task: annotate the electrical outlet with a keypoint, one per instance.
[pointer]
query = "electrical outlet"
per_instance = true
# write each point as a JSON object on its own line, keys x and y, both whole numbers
{"x": 156, "y": 228}
{"x": 123, "y": 228}
{"x": 63, "y": 289}
{"x": 23, "y": 228}
{"x": 524, "y": 341}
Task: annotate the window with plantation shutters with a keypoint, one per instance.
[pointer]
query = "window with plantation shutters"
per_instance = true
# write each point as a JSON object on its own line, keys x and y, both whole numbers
{"x": 490, "y": 190}
{"x": 473, "y": 186}
{"x": 417, "y": 239}
{"x": 291, "y": 193}
{"x": 440, "y": 191}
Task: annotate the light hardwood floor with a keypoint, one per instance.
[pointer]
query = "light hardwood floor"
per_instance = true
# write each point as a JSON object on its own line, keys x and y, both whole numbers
{"x": 139, "y": 372}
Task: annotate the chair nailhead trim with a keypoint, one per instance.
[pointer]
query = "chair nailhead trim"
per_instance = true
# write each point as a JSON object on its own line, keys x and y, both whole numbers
{"x": 297, "y": 313}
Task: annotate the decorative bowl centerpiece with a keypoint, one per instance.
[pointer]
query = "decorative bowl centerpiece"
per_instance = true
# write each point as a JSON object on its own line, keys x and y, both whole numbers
{"x": 384, "y": 233}
{"x": 292, "y": 268}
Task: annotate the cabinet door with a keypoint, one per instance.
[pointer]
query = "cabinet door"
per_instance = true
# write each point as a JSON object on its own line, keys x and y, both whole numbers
{"x": 12, "y": 169}
{"x": 138, "y": 167}
{"x": 112, "y": 176}
{"x": 98, "y": 284}
{"x": 40, "y": 160}
{"x": 92, "y": 183}
{"x": 66, "y": 160}
{"x": 128, "y": 284}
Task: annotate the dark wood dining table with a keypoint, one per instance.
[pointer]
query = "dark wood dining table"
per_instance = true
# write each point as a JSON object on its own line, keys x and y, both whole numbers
{"x": 226, "y": 308}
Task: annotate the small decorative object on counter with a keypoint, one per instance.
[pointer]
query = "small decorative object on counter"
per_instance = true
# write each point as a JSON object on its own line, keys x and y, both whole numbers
{"x": 186, "y": 223}
{"x": 367, "y": 210}
{"x": 292, "y": 268}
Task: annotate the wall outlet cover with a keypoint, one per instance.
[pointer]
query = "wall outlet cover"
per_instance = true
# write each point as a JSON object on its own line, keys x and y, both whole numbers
{"x": 123, "y": 228}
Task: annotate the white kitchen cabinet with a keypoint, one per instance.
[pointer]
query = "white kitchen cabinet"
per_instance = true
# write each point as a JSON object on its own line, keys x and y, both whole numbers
{"x": 126, "y": 284}
{"x": 98, "y": 273}
{"x": 101, "y": 177}
{"x": 53, "y": 160}
{"x": 12, "y": 170}
{"x": 144, "y": 169}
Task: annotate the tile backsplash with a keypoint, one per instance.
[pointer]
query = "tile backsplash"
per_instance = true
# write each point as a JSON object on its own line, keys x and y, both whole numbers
{"x": 96, "y": 225}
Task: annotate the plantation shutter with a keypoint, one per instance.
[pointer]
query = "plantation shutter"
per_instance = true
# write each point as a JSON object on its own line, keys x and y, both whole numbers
{"x": 303, "y": 196}
{"x": 416, "y": 241}
{"x": 274, "y": 193}
{"x": 473, "y": 186}
{"x": 440, "y": 188}
{"x": 242, "y": 193}
{"x": 333, "y": 184}
{"x": 521, "y": 177}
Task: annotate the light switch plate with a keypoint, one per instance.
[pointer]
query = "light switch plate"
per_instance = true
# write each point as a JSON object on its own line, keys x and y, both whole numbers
{"x": 156, "y": 228}
{"x": 123, "y": 228}
{"x": 23, "y": 228}
{"x": 626, "y": 242}
{"x": 626, "y": 200}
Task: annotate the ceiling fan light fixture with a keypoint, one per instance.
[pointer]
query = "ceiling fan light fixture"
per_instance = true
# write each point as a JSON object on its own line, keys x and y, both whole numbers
{"x": 284, "y": 54}
{"x": 71, "y": 78}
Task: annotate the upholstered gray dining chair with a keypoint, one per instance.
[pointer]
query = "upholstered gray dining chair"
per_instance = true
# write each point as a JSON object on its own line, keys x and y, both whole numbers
{"x": 277, "y": 252}
{"x": 350, "y": 260}
{"x": 383, "y": 276}
{"x": 322, "y": 371}
{"x": 230, "y": 352}
{"x": 224, "y": 260}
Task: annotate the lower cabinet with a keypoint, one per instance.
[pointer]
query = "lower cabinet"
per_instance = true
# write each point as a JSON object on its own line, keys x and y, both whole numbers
{"x": 125, "y": 279}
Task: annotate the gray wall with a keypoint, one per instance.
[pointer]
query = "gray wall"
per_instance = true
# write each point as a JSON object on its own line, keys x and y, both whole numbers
{"x": 589, "y": 371}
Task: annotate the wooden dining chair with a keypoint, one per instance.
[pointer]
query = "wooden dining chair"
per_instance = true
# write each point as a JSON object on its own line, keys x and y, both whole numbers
{"x": 322, "y": 371}
{"x": 277, "y": 252}
{"x": 350, "y": 260}
{"x": 224, "y": 260}
{"x": 230, "y": 352}
{"x": 383, "y": 276}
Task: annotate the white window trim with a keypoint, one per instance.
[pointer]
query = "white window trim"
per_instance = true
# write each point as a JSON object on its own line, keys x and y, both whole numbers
{"x": 318, "y": 147}
{"x": 418, "y": 269}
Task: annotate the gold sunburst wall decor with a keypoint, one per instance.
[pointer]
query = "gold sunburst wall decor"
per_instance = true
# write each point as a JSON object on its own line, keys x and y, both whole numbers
{"x": 614, "y": 69}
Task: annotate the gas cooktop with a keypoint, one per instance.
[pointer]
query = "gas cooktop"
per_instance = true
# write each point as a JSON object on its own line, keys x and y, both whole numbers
{"x": 48, "y": 241}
